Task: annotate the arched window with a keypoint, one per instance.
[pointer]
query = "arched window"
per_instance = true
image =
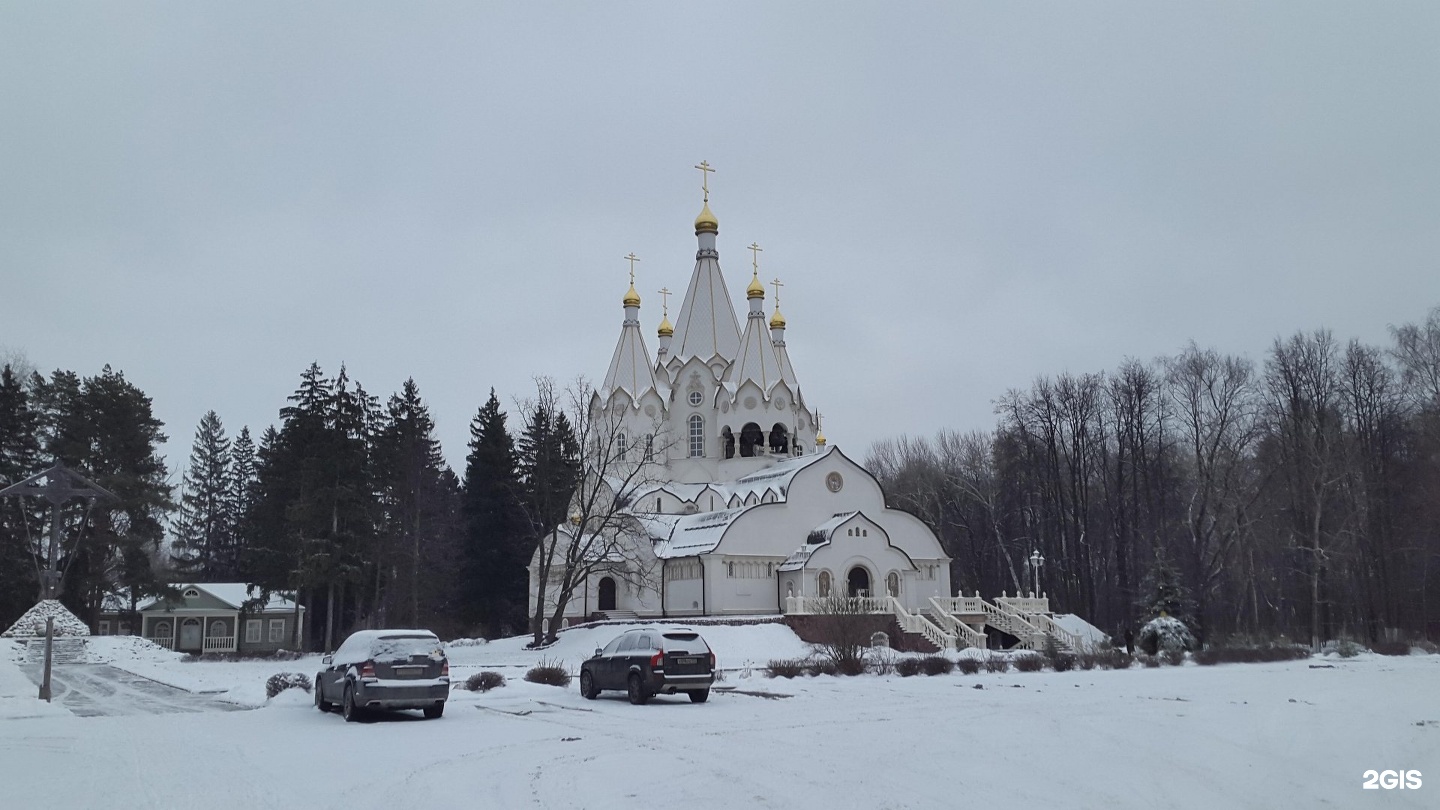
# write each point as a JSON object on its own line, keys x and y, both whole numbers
{"x": 217, "y": 628}
{"x": 729, "y": 438}
{"x": 649, "y": 446}
{"x": 822, "y": 583}
{"x": 779, "y": 439}
{"x": 752, "y": 440}
{"x": 697, "y": 436}
{"x": 620, "y": 445}
{"x": 892, "y": 584}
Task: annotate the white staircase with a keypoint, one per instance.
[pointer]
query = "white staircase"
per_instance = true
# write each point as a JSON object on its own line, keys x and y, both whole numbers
{"x": 1025, "y": 618}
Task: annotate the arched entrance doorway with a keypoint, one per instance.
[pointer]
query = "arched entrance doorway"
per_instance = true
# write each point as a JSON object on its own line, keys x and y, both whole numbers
{"x": 607, "y": 594}
{"x": 859, "y": 581}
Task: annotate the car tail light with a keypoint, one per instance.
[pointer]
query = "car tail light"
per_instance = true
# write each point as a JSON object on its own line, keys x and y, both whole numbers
{"x": 656, "y": 660}
{"x": 445, "y": 668}
{"x": 367, "y": 670}
{"x": 712, "y": 659}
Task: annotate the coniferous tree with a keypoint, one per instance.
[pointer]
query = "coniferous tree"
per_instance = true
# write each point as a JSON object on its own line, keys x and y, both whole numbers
{"x": 243, "y": 474}
{"x": 496, "y": 544}
{"x": 104, "y": 428}
{"x": 19, "y": 459}
{"x": 420, "y": 498}
{"x": 205, "y": 531}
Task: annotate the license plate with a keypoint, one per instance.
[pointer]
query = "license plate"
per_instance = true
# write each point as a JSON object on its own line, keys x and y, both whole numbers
{"x": 686, "y": 660}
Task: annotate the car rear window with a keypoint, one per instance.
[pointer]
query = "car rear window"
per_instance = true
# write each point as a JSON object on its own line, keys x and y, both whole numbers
{"x": 404, "y": 648}
{"x": 685, "y": 642}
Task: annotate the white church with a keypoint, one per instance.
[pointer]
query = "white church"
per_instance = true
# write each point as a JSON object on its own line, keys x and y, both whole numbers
{"x": 744, "y": 508}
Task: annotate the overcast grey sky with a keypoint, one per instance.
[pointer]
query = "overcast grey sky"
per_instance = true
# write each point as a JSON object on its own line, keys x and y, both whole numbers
{"x": 959, "y": 196}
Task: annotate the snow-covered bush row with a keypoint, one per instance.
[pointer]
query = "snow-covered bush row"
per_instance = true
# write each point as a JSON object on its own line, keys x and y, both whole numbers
{"x": 467, "y": 642}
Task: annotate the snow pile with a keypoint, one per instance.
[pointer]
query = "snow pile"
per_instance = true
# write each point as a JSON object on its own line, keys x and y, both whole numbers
{"x": 1166, "y": 634}
{"x": 32, "y": 624}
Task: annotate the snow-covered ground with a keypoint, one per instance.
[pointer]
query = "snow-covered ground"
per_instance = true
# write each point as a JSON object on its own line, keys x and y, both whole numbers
{"x": 1239, "y": 735}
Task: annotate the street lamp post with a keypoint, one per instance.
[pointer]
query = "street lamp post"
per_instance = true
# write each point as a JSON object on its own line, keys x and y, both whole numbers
{"x": 1036, "y": 560}
{"x": 58, "y": 485}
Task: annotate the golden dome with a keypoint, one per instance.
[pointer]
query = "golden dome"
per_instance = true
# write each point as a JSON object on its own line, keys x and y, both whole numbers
{"x": 756, "y": 289}
{"x": 820, "y": 439}
{"x": 706, "y": 222}
{"x": 666, "y": 330}
{"x": 777, "y": 321}
{"x": 632, "y": 298}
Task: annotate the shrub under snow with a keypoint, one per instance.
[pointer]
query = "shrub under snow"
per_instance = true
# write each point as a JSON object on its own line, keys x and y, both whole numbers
{"x": 484, "y": 681}
{"x": 281, "y": 681}
{"x": 550, "y": 673}
{"x": 1165, "y": 633}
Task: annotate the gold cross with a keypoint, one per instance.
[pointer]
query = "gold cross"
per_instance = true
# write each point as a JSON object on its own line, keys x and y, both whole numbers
{"x": 704, "y": 167}
{"x": 633, "y": 258}
{"x": 777, "y": 284}
{"x": 665, "y": 300}
{"x": 755, "y": 251}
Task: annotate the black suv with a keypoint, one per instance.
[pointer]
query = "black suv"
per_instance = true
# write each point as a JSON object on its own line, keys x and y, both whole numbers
{"x": 648, "y": 661}
{"x": 385, "y": 669}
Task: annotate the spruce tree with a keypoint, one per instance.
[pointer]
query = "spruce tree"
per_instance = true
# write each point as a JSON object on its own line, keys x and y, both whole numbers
{"x": 420, "y": 498}
{"x": 243, "y": 474}
{"x": 19, "y": 459}
{"x": 496, "y": 548}
{"x": 205, "y": 531}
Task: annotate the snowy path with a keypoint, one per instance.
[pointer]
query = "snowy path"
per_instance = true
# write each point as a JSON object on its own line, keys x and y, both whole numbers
{"x": 97, "y": 690}
{"x": 1236, "y": 736}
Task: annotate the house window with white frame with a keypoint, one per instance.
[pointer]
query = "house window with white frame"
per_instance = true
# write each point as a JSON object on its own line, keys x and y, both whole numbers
{"x": 277, "y": 631}
{"x": 252, "y": 631}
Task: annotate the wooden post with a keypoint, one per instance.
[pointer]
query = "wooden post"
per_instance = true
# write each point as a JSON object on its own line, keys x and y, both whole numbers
{"x": 49, "y": 643}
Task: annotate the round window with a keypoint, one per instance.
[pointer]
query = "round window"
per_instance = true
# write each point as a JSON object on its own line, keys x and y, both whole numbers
{"x": 834, "y": 481}
{"x": 695, "y": 397}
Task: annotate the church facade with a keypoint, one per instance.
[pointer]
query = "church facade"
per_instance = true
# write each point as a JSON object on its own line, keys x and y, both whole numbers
{"x": 740, "y": 505}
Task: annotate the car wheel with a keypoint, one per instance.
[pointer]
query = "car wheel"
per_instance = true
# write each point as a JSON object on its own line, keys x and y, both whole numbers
{"x": 587, "y": 685}
{"x": 699, "y": 695}
{"x": 320, "y": 702}
{"x": 638, "y": 695}
{"x": 348, "y": 709}
{"x": 432, "y": 712}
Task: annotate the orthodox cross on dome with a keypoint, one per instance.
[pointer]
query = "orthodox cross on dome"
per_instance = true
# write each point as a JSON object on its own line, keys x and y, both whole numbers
{"x": 755, "y": 251}
{"x": 777, "y": 284}
{"x": 664, "y": 300}
{"x": 633, "y": 258}
{"x": 705, "y": 170}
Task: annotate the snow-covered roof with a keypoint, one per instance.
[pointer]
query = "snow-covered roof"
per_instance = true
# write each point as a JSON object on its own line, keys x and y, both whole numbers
{"x": 797, "y": 558}
{"x": 233, "y": 594}
{"x": 828, "y": 527}
{"x": 774, "y": 478}
{"x": 698, "y": 534}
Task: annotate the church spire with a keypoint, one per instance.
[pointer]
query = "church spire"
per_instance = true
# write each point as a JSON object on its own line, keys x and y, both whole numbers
{"x": 706, "y": 327}
{"x": 777, "y": 339}
{"x": 630, "y": 370}
{"x": 757, "y": 361}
